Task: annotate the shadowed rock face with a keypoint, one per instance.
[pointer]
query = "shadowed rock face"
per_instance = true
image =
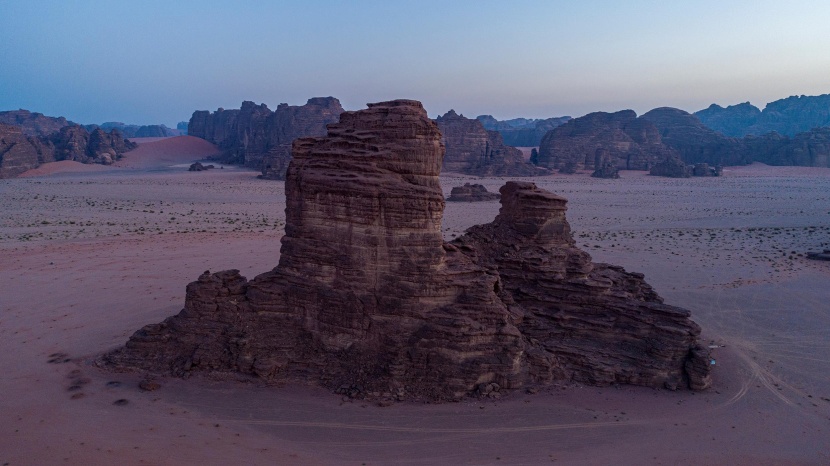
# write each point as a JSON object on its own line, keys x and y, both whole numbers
{"x": 628, "y": 142}
{"x": 473, "y": 150}
{"x": 260, "y": 138}
{"x": 369, "y": 297}
{"x": 19, "y": 152}
{"x": 790, "y": 116}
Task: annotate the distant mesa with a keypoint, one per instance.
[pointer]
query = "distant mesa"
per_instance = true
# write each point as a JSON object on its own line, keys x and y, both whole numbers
{"x": 369, "y": 301}
{"x": 639, "y": 143}
{"x": 522, "y": 132}
{"x": 136, "y": 131}
{"x": 39, "y": 139}
{"x": 788, "y": 117}
{"x": 472, "y": 193}
{"x": 626, "y": 142}
{"x": 256, "y": 137}
{"x": 473, "y": 150}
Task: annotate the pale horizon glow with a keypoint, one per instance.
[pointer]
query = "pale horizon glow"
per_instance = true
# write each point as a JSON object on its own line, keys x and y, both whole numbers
{"x": 156, "y": 62}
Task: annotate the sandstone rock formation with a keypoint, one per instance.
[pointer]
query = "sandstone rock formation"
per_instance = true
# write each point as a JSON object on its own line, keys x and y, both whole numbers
{"x": 522, "y": 132}
{"x": 135, "y": 131}
{"x": 259, "y": 138}
{"x": 198, "y": 167}
{"x": 629, "y": 142}
{"x": 369, "y": 301}
{"x": 19, "y": 152}
{"x": 790, "y": 116}
{"x": 473, "y": 150}
{"x": 605, "y": 167}
{"x": 672, "y": 167}
{"x": 33, "y": 124}
{"x": 472, "y": 193}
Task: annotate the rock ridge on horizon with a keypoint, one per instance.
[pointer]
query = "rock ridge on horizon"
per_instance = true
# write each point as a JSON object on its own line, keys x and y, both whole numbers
{"x": 370, "y": 301}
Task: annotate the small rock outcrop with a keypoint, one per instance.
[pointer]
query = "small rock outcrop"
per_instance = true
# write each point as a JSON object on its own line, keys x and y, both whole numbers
{"x": 605, "y": 167}
{"x": 369, "y": 301}
{"x": 819, "y": 256}
{"x": 672, "y": 167}
{"x": 472, "y": 193}
{"x": 198, "y": 167}
{"x": 259, "y": 138}
{"x": 473, "y": 150}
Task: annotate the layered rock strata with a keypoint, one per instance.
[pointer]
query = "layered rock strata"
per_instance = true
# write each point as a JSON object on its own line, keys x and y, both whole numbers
{"x": 369, "y": 300}
{"x": 472, "y": 193}
{"x": 19, "y": 152}
{"x": 473, "y": 150}
{"x": 629, "y": 143}
{"x": 259, "y": 138}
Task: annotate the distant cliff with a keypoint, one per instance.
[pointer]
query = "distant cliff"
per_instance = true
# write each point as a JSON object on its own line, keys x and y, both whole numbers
{"x": 473, "y": 150}
{"x": 622, "y": 139}
{"x": 522, "y": 132}
{"x": 136, "y": 131}
{"x": 259, "y": 138}
{"x": 20, "y": 152}
{"x": 33, "y": 124}
{"x": 790, "y": 116}
{"x": 633, "y": 143}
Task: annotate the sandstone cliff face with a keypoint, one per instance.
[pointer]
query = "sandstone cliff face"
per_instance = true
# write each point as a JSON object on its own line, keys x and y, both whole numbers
{"x": 790, "y": 116}
{"x": 694, "y": 141}
{"x": 259, "y": 138}
{"x": 368, "y": 296}
{"x": 19, "y": 152}
{"x": 629, "y": 143}
{"x": 33, "y": 124}
{"x": 522, "y": 132}
{"x": 473, "y": 150}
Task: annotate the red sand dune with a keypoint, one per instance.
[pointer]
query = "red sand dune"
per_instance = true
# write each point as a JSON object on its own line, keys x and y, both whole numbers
{"x": 167, "y": 151}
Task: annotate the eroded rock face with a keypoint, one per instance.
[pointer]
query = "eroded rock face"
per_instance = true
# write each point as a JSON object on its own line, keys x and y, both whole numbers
{"x": 790, "y": 116}
{"x": 33, "y": 123}
{"x": 471, "y": 193}
{"x": 19, "y": 152}
{"x": 367, "y": 297}
{"x": 259, "y": 138}
{"x": 630, "y": 143}
{"x": 672, "y": 167}
{"x": 473, "y": 150}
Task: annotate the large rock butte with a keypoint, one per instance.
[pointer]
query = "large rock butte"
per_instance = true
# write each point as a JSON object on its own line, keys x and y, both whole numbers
{"x": 473, "y": 150}
{"x": 369, "y": 300}
{"x": 259, "y": 138}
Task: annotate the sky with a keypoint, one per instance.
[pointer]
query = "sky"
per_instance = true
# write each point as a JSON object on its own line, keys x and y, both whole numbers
{"x": 151, "y": 62}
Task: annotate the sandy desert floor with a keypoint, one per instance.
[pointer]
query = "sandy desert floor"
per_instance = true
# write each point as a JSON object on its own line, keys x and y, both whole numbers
{"x": 88, "y": 256}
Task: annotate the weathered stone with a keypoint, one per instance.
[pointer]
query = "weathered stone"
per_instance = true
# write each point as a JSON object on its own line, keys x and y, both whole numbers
{"x": 473, "y": 150}
{"x": 258, "y": 138}
{"x": 368, "y": 299}
{"x": 471, "y": 193}
{"x": 629, "y": 142}
{"x": 605, "y": 168}
{"x": 672, "y": 167}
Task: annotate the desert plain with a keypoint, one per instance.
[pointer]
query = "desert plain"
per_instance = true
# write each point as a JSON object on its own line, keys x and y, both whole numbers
{"x": 89, "y": 254}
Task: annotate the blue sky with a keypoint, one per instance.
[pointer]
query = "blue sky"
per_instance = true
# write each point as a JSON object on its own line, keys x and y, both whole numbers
{"x": 157, "y": 61}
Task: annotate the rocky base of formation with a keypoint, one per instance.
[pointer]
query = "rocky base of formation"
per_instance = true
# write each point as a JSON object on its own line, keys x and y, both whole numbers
{"x": 369, "y": 301}
{"x": 472, "y": 193}
{"x": 20, "y": 152}
{"x": 259, "y": 138}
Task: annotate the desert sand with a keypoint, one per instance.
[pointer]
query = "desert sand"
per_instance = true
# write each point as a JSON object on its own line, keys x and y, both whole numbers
{"x": 89, "y": 257}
